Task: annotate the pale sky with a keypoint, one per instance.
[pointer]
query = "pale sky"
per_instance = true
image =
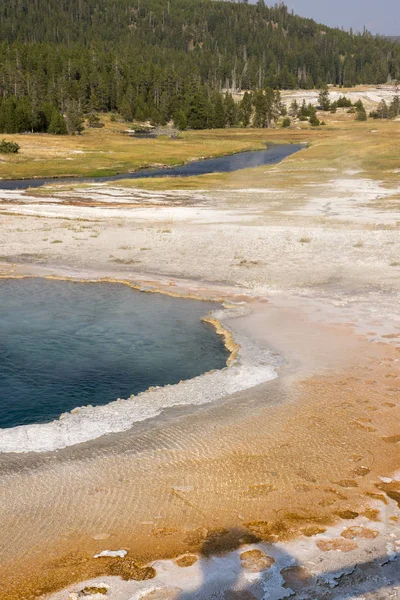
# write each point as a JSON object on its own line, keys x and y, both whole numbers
{"x": 379, "y": 16}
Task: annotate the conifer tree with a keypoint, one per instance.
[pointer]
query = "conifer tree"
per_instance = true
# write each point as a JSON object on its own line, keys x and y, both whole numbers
{"x": 7, "y": 116}
{"x": 230, "y": 111}
{"x": 324, "y": 99}
{"x": 57, "y": 123}
{"x": 199, "y": 110}
{"x": 260, "y": 109}
{"x": 294, "y": 109}
{"x": 245, "y": 110}
{"x": 394, "y": 108}
{"x": 219, "y": 117}
{"x": 180, "y": 120}
{"x": 314, "y": 121}
{"x": 142, "y": 63}
{"x": 382, "y": 111}
{"x": 361, "y": 114}
{"x": 73, "y": 118}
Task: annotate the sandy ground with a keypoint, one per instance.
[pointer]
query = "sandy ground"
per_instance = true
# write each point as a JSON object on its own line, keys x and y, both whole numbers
{"x": 300, "y": 471}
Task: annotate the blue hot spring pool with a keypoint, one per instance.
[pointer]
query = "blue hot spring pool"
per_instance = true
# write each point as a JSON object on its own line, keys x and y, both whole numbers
{"x": 65, "y": 344}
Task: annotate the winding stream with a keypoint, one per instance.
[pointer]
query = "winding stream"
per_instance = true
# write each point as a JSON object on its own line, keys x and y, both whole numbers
{"x": 273, "y": 154}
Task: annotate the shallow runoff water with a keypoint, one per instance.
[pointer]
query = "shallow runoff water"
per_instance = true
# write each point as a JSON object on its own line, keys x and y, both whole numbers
{"x": 273, "y": 154}
{"x": 65, "y": 344}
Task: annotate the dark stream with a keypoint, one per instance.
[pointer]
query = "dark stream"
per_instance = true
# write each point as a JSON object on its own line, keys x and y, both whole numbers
{"x": 225, "y": 164}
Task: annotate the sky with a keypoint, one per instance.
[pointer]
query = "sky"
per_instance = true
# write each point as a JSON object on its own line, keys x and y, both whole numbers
{"x": 379, "y": 16}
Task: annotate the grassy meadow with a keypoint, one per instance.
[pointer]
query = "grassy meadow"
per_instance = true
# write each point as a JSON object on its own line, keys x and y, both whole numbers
{"x": 366, "y": 149}
{"x": 108, "y": 151}
{"x": 371, "y": 148}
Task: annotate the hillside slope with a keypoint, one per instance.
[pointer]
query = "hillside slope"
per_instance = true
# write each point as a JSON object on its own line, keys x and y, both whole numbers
{"x": 145, "y": 58}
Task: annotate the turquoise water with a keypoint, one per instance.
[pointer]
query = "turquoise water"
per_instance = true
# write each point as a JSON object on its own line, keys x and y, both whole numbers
{"x": 65, "y": 344}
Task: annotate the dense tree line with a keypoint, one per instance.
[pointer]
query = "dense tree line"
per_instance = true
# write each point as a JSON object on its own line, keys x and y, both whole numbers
{"x": 163, "y": 59}
{"x": 387, "y": 111}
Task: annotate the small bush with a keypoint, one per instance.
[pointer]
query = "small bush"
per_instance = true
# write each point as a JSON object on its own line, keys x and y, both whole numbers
{"x": 344, "y": 102}
{"x": 361, "y": 115}
{"x": 9, "y": 147}
{"x": 94, "y": 121}
{"x": 286, "y": 122}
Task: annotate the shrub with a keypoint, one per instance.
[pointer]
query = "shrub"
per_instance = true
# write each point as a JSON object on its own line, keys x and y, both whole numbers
{"x": 344, "y": 102}
{"x": 361, "y": 112}
{"x": 94, "y": 121}
{"x": 314, "y": 121}
{"x": 286, "y": 122}
{"x": 9, "y": 147}
{"x": 361, "y": 115}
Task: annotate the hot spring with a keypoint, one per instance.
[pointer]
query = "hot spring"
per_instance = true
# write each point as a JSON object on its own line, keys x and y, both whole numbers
{"x": 66, "y": 344}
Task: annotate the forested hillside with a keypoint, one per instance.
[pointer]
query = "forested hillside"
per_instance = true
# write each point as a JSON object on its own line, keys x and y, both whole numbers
{"x": 153, "y": 58}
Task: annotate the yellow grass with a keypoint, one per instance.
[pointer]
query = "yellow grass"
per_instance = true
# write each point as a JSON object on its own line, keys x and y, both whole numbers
{"x": 369, "y": 149}
{"x": 107, "y": 151}
{"x": 372, "y": 148}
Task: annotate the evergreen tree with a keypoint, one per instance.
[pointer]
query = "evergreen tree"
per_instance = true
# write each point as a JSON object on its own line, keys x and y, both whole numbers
{"x": 324, "y": 99}
{"x": 306, "y": 110}
{"x": 294, "y": 109}
{"x": 245, "y": 110}
{"x": 382, "y": 111}
{"x": 361, "y": 114}
{"x": 199, "y": 110}
{"x": 125, "y": 109}
{"x": 94, "y": 121}
{"x": 230, "y": 110}
{"x": 394, "y": 108}
{"x": 7, "y": 116}
{"x": 344, "y": 102}
{"x": 23, "y": 115}
{"x": 260, "y": 109}
{"x": 180, "y": 120}
{"x": 147, "y": 62}
{"x": 74, "y": 118}
{"x": 57, "y": 123}
{"x": 219, "y": 118}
